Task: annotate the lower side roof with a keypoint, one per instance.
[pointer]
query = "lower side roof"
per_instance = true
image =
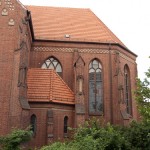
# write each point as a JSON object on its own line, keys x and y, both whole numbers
{"x": 45, "y": 85}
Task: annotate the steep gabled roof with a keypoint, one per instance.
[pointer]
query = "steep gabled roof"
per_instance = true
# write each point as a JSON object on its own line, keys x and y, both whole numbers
{"x": 46, "y": 85}
{"x": 53, "y": 23}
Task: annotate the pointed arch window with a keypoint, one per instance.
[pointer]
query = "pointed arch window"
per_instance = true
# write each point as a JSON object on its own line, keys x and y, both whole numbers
{"x": 33, "y": 122}
{"x": 65, "y": 124}
{"x": 95, "y": 88}
{"x": 52, "y": 63}
{"x": 127, "y": 89}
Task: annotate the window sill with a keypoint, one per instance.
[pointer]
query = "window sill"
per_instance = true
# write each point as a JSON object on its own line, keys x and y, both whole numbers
{"x": 96, "y": 114}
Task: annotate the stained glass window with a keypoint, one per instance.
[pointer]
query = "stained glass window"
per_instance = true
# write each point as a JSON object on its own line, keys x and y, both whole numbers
{"x": 95, "y": 87}
{"x": 127, "y": 89}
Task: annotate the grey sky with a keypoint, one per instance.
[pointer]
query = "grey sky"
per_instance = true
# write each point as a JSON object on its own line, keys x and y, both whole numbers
{"x": 129, "y": 20}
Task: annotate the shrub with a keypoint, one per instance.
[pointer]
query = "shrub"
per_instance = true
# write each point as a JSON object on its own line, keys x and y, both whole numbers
{"x": 59, "y": 146}
{"x": 92, "y": 136}
{"x": 13, "y": 140}
{"x": 138, "y": 135}
{"x": 103, "y": 138}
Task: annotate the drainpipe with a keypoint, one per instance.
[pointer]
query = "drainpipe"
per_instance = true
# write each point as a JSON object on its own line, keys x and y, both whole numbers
{"x": 110, "y": 85}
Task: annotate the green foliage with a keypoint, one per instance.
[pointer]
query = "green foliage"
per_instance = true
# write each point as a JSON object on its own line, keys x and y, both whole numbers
{"x": 138, "y": 135}
{"x": 60, "y": 146}
{"x": 143, "y": 97}
{"x": 92, "y": 136}
{"x": 13, "y": 140}
{"x": 96, "y": 137}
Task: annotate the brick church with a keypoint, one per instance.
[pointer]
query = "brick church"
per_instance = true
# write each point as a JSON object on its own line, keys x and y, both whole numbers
{"x": 60, "y": 67}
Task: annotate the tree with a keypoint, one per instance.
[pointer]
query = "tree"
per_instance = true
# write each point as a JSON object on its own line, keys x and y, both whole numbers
{"x": 143, "y": 97}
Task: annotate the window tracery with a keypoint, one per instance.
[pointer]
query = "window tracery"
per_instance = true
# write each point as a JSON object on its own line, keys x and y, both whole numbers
{"x": 95, "y": 87}
{"x": 127, "y": 89}
{"x": 52, "y": 63}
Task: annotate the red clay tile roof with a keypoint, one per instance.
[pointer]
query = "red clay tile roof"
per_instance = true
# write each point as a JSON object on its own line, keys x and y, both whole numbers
{"x": 53, "y": 23}
{"x": 45, "y": 85}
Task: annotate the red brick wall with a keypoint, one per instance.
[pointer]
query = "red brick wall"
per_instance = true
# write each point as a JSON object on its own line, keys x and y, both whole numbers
{"x": 133, "y": 74}
{"x": 40, "y": 137}
{"x": 66, "y": 60}
{"x": 104, "y": 59}
{"x": 110, "y": 94}
{"x": 59, "y": 112}
{"x": 11, "y": 37}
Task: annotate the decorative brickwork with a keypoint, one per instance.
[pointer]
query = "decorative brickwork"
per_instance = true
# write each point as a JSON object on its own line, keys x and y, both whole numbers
{"x": 9, "y": 4}
{"x": 4, "y": 12}
{"x": 11, "y": 22}
{"x": 71, "y": 50}
{"x": 127, "y": 58}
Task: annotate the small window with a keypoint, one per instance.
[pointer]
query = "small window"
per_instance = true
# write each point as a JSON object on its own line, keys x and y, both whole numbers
{"x": 33, "y": 123}
{"x": 66, "y": 124}
{"x": 127, "y": 89}
{"x": 52, "y": 63}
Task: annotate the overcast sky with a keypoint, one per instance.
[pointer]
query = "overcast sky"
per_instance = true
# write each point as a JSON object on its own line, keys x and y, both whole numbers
{"x": 129, "y": 20}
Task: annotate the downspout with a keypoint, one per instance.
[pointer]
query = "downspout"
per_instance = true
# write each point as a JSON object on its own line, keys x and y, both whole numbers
{"x": 110, "y": 85}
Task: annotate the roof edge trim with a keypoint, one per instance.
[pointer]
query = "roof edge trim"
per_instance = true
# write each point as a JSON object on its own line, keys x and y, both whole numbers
{"x": 31, "y": 25}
